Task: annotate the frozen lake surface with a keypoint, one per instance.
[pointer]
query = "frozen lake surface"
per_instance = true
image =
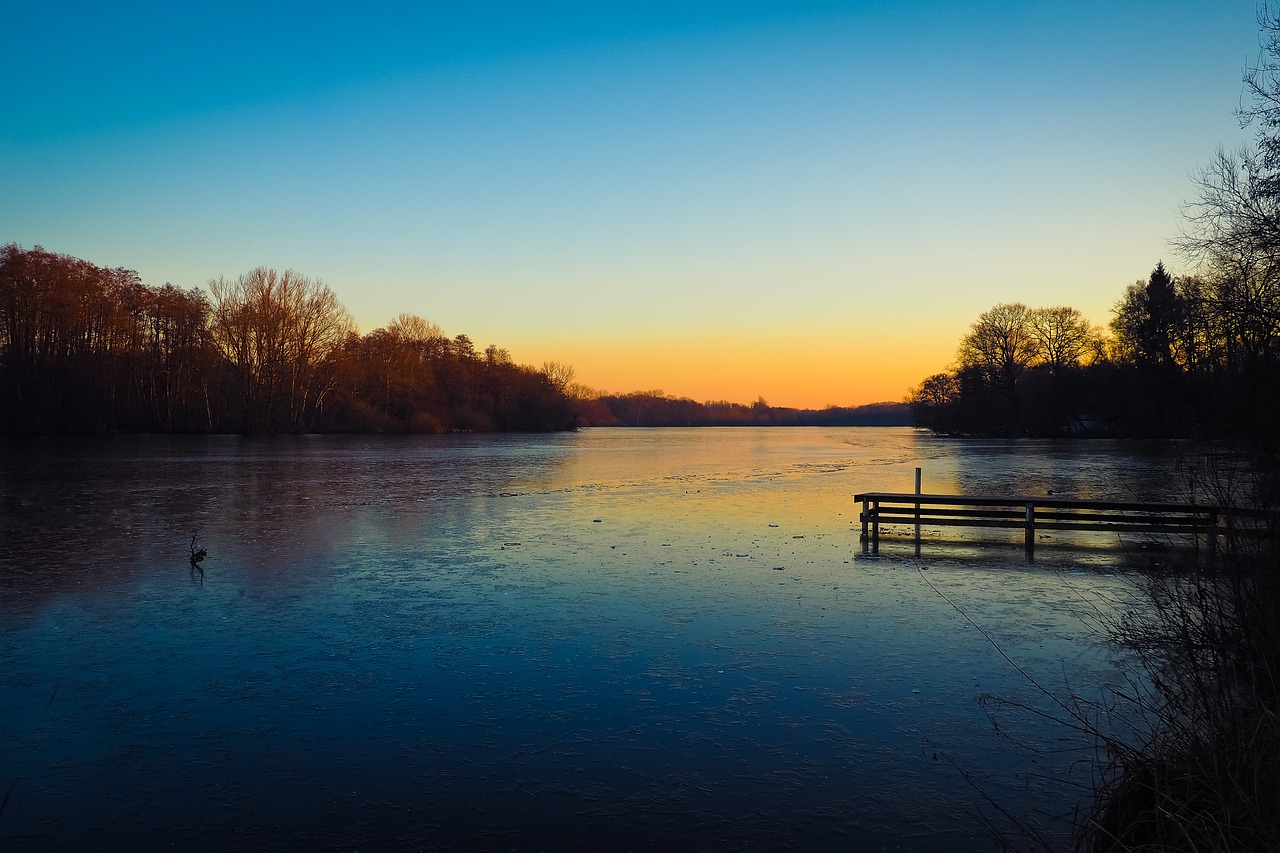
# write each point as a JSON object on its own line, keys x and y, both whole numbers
{"x": 608, "y": 640}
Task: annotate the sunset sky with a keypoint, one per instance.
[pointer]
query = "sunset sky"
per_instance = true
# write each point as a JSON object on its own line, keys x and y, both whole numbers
{"x": 805, "y": 201}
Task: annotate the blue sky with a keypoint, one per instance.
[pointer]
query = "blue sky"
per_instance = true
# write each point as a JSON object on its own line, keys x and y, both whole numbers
{"x": 804, "y": 201}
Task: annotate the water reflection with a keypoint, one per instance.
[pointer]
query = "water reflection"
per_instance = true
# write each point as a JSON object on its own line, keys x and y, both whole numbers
{"x": 1092, "y": 470}
{"x": 608, "y": 640}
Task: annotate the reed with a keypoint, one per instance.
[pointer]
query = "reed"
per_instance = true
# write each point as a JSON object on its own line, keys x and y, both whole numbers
{"x": 1183, "y": 753}
{"x": 1201, "y": 769}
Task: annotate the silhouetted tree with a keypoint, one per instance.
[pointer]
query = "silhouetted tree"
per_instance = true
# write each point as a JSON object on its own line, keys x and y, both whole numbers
{"x": 934, "y": 403}
{"x": 1150, "y": 321}
{"x": 1237, "y": 211}
{"x": 559, "y": 374}
{"x": 1063, "y": 337}
{"x": 1001, "y": 343}
{"x": 1000, "y": 346}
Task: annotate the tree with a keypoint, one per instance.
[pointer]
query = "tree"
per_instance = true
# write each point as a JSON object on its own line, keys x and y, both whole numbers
{"x": 1150, "y": 321}
{"x": 1063, "y": 337}
{"x": 559, "y": 374}
{"x": 85, "y": 348}
{"x": 277, "y": 330}
{"x": 999, "y": 348}
{"x": 90, "y": 349}
{"x": 415, "y": 330}
{"x": 933, "y": 402}
{"x": 1018, "y": 370}
{"x": 171, "y": 359}
{"x": 1000, "y": 342}
{"x": 1236, "y": 216}
{"x": 1237, "y": 212}
{"x": 1243, "y": 300}
{"x": 1262, "y": 84}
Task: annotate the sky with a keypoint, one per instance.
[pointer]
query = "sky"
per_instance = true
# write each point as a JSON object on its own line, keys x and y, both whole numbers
{"x": 808, "y": 202}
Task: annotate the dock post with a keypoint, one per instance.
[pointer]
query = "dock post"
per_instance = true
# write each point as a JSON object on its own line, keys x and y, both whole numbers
{"x": 1030, "y": 538}
{"x": 875, "y": 529}
{"x": 917, "y": 513}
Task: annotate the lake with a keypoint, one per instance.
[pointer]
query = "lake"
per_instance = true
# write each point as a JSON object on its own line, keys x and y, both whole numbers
{"x": 607, "y": 640}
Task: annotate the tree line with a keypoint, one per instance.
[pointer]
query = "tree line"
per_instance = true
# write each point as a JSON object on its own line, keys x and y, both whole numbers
{"x": 1194, "y": 356}
{"x": 88, "y": 349}
{"x": 656, "y": 409}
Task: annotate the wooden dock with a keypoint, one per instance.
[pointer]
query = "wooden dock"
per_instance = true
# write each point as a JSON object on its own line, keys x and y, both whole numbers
{"x": 1034, "y": 513}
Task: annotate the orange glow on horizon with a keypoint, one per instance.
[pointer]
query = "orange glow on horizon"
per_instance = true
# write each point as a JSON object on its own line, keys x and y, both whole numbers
{"x": 791, "y": 370}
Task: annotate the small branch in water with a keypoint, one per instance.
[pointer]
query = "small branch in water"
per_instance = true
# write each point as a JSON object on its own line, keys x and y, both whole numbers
{"x": 197, "y": 554}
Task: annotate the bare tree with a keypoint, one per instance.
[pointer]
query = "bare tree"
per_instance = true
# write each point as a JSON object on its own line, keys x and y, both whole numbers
{"x": 932, "y": 401}
{"x": 1262, "y": 83}
{"x": 559, "y": 374}
{"x": 414, "y": 329}
{"x": 1001, "y": 343}
{"x": 1063, "y": 337}
{"x": 277, "y": 330}
{"x": 1241, "y": 302}
{"x": 1237, "y": 213}
{"x": 1000, "y": 346}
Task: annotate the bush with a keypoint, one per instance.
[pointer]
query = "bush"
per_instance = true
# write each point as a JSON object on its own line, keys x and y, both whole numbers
{"x": 1202, "y": 769}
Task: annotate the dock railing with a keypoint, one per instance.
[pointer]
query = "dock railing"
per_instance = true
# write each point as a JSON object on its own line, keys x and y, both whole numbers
{"x": 1035, "y": 513}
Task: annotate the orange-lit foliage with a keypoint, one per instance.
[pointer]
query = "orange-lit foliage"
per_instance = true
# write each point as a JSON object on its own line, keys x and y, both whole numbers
{"x": 89, "y": 349}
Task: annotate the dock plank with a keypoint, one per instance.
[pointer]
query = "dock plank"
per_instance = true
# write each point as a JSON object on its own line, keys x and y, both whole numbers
{"x": 1032, "y": 513}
